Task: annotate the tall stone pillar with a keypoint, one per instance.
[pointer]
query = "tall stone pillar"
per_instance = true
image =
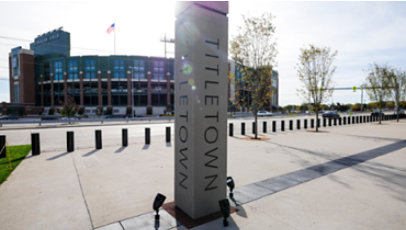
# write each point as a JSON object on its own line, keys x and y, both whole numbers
{"x": 201, "y": 40}
{"x": 12, "y": 99}
{"x": 51, "y": 77}
{"x": 81, "y": 88}
{"x": 99, "y": 89}
{"x": 65, "y": 88}
{"x": 42, "y": 90}
{"x": 109, "y": 88}
{"x": 129, "y": 89}
{"x": 149, "y": 90}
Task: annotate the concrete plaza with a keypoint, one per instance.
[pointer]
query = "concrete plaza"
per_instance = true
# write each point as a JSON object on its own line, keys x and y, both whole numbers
{"x": 348, "y": 177}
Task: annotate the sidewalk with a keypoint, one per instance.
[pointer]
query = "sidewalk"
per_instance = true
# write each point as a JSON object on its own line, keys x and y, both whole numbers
{"x": 114, "y": 188}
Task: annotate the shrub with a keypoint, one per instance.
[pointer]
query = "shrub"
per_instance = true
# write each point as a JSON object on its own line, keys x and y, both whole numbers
{"x": 51, "y": 111}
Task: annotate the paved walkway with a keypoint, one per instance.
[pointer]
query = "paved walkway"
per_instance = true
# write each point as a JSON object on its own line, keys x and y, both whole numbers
{"x": 351, "y": 177}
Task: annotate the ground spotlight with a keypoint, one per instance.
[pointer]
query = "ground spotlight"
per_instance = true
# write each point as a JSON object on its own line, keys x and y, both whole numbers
{"x": 231, "y": 185}
{"x": 159, "y": 200}
{"x": 225, "y": 210}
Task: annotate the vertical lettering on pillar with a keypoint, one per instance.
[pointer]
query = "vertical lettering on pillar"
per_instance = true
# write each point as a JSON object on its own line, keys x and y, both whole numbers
{"x": 183, "y": 137}
{"x": 211, "y": 101}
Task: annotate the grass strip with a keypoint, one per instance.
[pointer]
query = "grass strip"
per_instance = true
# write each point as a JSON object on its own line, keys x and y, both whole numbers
{"x": 17, "y": 154}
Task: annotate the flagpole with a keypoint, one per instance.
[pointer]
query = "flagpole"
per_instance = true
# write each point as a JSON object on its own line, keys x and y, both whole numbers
{"x": 114, "y": 40}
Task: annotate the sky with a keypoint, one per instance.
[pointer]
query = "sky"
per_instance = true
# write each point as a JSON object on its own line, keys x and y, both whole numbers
{"x": 363, "y": 33}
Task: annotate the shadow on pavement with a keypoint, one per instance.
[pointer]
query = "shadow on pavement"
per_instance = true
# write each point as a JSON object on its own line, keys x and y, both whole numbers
{"x": 120, "y": 149}
{"x": 57, "y": 156}
{"x": 90, "y": 153}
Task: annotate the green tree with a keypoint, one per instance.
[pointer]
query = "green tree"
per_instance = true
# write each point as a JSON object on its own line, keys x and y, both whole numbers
{"x": 377, "y": 85}
{"x": 397, "y": 85}
{"x": 254, "y": 50}
{"x": 315, "y": 70}
{"x": 69, "y": 109}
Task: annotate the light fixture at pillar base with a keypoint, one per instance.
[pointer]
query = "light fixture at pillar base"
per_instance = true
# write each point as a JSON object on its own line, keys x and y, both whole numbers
{"x": 231, "y": 185}
{"x": 159, "y": 200}
{"x": 225, "y": 210}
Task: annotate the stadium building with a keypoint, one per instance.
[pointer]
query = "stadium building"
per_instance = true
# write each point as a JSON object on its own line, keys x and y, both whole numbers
{"x": 45, "y": 77}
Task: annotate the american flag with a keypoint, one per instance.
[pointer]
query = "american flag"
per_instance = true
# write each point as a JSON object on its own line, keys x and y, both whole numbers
{"x": 111, "y": 28}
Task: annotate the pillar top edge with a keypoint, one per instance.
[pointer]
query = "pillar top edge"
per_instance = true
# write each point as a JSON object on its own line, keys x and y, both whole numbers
{"x": 220, "y": 7}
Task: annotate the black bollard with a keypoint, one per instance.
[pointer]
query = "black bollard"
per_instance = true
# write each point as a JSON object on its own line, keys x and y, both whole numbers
{"x": 273, "y": 126}
{"x": 344, "y": 120}
{"x": 360, "y": 119}
{"x": 305, "y": 124}
{"x": 98, "y": 137}
{"x": 290, "y": 125}
{"x": 124, "y": 137}
{"x": 147, "y": 136}
{"x": 3, "y": 147}
{"x": 329, "y": 121}
{"x": 312, "y": 123}
{"x": 35, "y": 144}
{"x": 254, "y": 128}
{"x": 357, "y": 120}
{"x": 298, "y": 124}
{"x": 168, "y": 134}
{"x": 318, "y": 123}
{"x": 264, "y": 129}
{"x": 365, "y": 119}
{"x": 242, "y": 128}
{"x": 70, "y": 141}
{"x": 335, "y": 121}
{"x": 339, "y": 121}
{"x": 231, "y": 130}
{"x": 282, "y": 125}
{"x": 324, "y": 122}
{"x": 353, "y": 120}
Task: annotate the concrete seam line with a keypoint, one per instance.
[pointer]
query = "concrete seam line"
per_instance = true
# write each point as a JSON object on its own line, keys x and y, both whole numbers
{"x": 81, "y": 190}
{"x": 121, "y": 225}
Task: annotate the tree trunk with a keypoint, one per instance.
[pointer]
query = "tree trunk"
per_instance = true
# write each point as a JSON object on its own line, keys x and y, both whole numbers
{"x": 317, "y": 121}
{"x": 397, "y": 114}
{"x": 380, "y": 115}
{"x": 256, "y": 125}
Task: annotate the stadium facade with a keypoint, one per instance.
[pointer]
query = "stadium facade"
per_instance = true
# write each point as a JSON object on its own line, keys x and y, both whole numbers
{"x": 45, "y": 77}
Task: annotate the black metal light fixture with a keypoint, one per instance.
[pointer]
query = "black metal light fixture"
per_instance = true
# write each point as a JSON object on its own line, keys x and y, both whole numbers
{"x": 231, "y": 185}
{"x": 225, "y": 210}
{"x": 159, "y": 200}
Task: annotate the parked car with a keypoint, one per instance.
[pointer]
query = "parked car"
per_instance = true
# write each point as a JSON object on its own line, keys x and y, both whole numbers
{"x": 331, "y": 114}
{"x": 8, "y": 117}
{"x": 114, "y": 116}
{"x": 49, "y": 118}
{"x": 377, "y": 113}
{"x": 401, "y": 111}
{"x": 264, "y": 113}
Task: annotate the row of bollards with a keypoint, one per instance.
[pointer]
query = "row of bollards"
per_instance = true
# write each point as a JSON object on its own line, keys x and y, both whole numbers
{"x": 35, "y": 138}
{"x": 70, "y": 140}
{"x": 326, "y": 122}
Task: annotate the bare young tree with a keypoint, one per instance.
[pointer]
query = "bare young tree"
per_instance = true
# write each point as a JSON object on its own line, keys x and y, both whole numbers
{"x": 315, "y": 70}
{"x": 377, "y": 85}
{"x": 254, "y": 51}
{"x": 397, "y": 88}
